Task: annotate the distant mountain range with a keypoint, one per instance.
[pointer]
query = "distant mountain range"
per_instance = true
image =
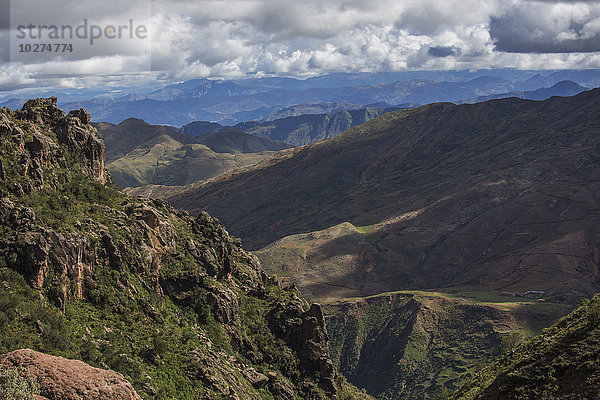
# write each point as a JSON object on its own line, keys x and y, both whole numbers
{"x": 234, "y": 101}
{"x": 562, "y": 88}
{"x": 296, "y": 130}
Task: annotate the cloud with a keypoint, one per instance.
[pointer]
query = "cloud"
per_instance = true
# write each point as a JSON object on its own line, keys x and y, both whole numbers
{"x": 220, "y": 38}
{"x": 441, "y": 51}
{"x": 548, "y": 27}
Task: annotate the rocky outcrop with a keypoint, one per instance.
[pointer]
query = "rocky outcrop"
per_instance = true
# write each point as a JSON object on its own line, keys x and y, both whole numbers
{"x": 304, "y": 331}
{"x": 73, "y": 131}
{"x": 62, "y": 379}
{"x": 133, "y": 285}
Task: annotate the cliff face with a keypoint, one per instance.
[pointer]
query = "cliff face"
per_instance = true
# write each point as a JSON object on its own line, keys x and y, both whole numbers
{"x": 170, "y": 301}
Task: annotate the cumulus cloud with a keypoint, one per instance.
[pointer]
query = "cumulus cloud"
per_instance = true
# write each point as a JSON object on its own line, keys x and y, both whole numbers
{"x": 220, "y": 38}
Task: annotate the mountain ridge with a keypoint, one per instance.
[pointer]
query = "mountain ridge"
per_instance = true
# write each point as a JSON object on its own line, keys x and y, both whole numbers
{"x": 463, "y": 161}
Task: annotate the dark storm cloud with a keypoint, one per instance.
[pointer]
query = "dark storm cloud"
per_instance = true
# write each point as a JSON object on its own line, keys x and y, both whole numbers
{"x": 511, "y": 37}
{"x": 441, "y": 51}
{"x": 548, "y": 27}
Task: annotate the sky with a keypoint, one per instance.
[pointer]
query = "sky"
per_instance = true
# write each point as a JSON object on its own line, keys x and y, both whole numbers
{"x": 254, "y": 38}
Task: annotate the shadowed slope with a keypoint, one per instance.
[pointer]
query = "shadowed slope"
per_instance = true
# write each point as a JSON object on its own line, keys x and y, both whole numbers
{"x": 503, "y": 193}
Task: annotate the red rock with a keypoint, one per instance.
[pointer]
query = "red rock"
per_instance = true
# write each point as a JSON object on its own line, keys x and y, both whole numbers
{"x": 63, "y": 379}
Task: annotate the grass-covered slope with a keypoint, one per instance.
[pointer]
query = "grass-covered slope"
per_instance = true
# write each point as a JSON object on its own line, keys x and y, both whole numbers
{"x": 560, "y": 363}
{"x": 170, "y": 301}
{"x": 141, "y": 154}
{"x": 423, "y": 345}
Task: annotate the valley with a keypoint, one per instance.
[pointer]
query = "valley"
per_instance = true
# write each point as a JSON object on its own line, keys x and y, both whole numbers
{"x": 471, "y": 203}
{"x": 438, "y": 241}
{"x": 314, "y": 200}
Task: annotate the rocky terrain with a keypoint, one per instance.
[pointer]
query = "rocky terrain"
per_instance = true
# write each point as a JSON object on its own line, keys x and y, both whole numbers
{"x": 62, "y": 379}
{"x": 169, "y": 301}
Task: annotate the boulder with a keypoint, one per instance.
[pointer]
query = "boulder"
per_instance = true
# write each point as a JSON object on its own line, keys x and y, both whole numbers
{"x": 63, "y": 379}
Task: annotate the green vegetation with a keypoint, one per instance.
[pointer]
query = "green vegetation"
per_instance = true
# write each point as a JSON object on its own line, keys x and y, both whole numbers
{"x": 561, "y": 362}
{"x": 16, "y": 384}
{"x": 177, "y": 165}
{"x": 423, "y": 345}
{"x": 170, "y": 301}
{"x": 140, "y": 154}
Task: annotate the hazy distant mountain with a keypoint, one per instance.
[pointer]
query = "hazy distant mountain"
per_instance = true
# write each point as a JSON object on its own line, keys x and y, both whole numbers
{"x": 310, "y": 128}
{"x": 231, "y": 102}
{"x": 562, "y": 88}
{"x": 297, "y": 130}
{"x": 197, "y": 88}
{"x": 323, "y": 108}
{"x": 588, "y": 78}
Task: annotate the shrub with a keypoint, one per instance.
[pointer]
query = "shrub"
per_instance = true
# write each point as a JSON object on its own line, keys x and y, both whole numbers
{"x": 17, "y": 384}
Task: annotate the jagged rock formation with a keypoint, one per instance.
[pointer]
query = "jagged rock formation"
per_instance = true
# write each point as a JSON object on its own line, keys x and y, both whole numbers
{"x": 62, "y": 379}
{"x": 171, "y": 302}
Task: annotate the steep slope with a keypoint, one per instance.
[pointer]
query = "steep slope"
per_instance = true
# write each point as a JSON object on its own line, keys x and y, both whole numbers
{"x": 171, "y": 302}
{"x": 502, "y": 194}
{"x": 420, "y": 345}
{"x": 560, "y": 363}
{"x": 324, "y": 265}
{"x": 235, "y": 141}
